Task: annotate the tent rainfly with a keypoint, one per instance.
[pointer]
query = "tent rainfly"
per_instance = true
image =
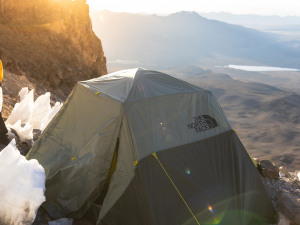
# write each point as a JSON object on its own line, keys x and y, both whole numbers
{"x": 139, "y": 147}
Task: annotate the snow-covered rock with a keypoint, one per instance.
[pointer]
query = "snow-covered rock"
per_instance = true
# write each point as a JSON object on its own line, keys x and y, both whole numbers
{"x": 22, "y": 187}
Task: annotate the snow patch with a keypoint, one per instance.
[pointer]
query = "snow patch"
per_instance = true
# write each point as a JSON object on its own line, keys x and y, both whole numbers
{"x": 187, "y": 12}
{"x": 22, "y": 187}
{"x": 28, "y": 115}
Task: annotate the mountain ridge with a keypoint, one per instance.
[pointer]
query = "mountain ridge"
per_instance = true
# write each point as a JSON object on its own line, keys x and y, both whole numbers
{"x": 250, "y": 18}
{"x": 181, "y": 38}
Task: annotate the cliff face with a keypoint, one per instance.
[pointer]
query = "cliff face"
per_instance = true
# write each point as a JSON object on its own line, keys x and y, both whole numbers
{"x": 50, "y": 40}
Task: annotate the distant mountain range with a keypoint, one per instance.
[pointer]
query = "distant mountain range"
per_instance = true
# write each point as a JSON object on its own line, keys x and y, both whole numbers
{"x": 188, "y": 38}
{"x": 245, "y": 19}
{"x": 287, "y": 28}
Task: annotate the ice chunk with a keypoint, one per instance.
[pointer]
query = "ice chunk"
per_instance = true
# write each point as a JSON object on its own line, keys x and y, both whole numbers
{"x": 16, "y": 106}
{"x": 11, "y": 135}
{"x": 22, "y": 111}
{"x": 25, "y": 132}
{"x": 281, "y": 174}
{"x": 51, "y": 115}
{"x": 62, "y": 221}
{"x": 23, "y": 93}
{"x": 22, "y": 187}
{"x": 41, "y": 110}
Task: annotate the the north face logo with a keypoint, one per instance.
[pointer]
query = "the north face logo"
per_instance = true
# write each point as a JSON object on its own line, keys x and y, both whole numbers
{"x": 203, "y": 123}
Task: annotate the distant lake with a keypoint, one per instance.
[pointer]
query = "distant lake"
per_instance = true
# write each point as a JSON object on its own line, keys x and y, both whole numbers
{"x": 260, "y": 68}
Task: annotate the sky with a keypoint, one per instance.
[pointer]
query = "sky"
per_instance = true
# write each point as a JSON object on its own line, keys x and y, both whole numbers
{"x": 260, "y": 7}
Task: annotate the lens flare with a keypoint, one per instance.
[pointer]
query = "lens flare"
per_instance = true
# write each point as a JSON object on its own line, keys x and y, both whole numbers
{"x": 187, "y": 170}
{"x": 219, "y": 212}
{"x": 169, "y": 138}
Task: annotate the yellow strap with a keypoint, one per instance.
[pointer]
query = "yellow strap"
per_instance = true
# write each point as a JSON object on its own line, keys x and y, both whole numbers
{"x": 97, "y": 93}
{"x": 154, "y": 154}
{"x": 266, "y": 157}
{"x": 1, "y": 71}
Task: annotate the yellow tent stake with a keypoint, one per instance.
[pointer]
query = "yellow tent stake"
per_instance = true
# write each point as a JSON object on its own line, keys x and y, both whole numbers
{"x": 154, "y": 154}
{"x": 267, "y": 157}
{"x": 41, "y": 113}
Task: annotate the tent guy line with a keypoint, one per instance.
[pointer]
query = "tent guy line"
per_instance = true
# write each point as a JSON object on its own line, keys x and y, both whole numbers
{"x": 42, "y": 112}
{"x": 154, "y": 154}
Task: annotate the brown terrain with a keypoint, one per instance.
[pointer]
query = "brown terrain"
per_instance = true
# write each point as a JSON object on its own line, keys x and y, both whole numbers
{"x": 267, "y": 116}
{"x": 50, "y": 42}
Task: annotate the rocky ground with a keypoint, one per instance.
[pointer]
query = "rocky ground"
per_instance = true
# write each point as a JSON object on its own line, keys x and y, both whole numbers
{"x": 284, "y": 191}
{"x": 275, "y": 186}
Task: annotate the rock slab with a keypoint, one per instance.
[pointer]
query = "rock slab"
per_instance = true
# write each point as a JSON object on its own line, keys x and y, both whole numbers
{"x": 289, "y": 205}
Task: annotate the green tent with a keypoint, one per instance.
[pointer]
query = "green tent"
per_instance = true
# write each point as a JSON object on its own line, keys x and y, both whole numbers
{"x": 98, "y": 156}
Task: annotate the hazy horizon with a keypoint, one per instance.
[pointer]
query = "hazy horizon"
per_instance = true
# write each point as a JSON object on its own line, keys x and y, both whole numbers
{"x": 256, "y": 7}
